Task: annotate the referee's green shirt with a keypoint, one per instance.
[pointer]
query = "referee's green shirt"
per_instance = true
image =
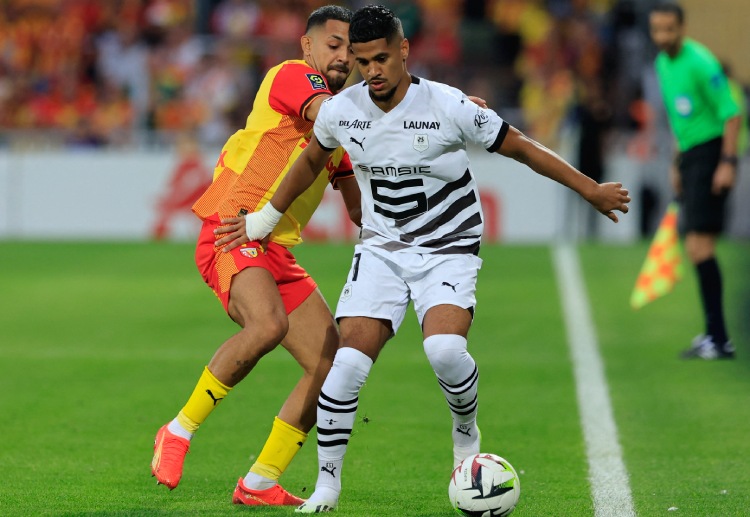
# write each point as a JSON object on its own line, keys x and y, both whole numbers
{"x": 696, "y": 94}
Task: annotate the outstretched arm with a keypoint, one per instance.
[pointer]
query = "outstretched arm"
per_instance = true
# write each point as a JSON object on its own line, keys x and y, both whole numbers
{"x": 605, "y": 197}
{"x": 257, "y": 225}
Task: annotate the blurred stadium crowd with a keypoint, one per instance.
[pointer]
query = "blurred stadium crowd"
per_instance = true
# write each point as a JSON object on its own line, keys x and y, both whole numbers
{"x": 116, "y": 73}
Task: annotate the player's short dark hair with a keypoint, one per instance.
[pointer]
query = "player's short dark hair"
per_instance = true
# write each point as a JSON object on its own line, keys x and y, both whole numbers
{"x": 374, "y": 22}
{"x": 670, "y": 8}
{"x": 328, "y": 12}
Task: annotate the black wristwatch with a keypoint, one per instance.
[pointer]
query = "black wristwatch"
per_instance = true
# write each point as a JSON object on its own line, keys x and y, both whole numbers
{"x": 728, "y": 158}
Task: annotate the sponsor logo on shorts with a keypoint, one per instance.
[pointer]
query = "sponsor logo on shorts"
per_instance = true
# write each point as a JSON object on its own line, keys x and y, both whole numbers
{"x": 249, "y": 252}
{"x": 346, "y": 293}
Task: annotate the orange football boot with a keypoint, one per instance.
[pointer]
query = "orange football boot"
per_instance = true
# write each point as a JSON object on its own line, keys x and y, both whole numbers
{"x": 274, "y": 496}
{"x": 169, "y": 456}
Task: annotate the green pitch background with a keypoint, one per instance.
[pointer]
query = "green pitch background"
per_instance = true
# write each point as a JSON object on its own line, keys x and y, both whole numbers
{"x": 101, "y": 343}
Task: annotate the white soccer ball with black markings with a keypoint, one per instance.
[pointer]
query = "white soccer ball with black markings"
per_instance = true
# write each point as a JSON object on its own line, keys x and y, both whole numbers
{"x": 484, "y": 485}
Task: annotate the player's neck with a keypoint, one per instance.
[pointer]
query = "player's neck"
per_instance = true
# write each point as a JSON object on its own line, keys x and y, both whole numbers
{"x": 387, "y": 105}
{"x": 676, "y": 49}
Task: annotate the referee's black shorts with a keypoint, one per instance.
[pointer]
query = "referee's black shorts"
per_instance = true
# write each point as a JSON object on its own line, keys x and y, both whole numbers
{"x": 701, "y": 210}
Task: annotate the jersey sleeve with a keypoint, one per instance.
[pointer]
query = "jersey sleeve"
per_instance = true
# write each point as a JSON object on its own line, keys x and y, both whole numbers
{"x": 341, "y": 171}
{"x": 295, "y": 86}
{"x": 478, "y": 125}
{"x": 716, "y": 89}
{"x": 323, "y": 126}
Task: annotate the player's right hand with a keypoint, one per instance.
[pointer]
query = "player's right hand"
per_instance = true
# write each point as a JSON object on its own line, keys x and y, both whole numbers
{"x": 251, "y": 227}
{"x": 609, "y": 197}
{"x": 231, "y": 234}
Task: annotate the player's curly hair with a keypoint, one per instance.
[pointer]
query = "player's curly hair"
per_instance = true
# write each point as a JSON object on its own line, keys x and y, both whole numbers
{"x": 374, "y": 22}
{"x": 328, "y": 12}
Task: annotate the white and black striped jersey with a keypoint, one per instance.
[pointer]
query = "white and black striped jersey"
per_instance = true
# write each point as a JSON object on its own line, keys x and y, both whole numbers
{"x": 418, "y": 190}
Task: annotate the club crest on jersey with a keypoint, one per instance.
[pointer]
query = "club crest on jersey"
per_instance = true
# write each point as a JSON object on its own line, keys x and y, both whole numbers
{"x": 481, "y": 118}
{"x": 249, "y": 252}
{"x": 346, "y": 293}
{"x": 421, "y": 143}
{"x": 317, "y": 82}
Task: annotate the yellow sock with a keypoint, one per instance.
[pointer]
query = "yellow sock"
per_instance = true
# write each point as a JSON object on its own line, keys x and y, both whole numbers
{"x": 206, "y": 396}
{"x": 280, "y": 448}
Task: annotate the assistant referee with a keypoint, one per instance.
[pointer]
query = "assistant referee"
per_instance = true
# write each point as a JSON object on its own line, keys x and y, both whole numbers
{"x": 705, "y": 121}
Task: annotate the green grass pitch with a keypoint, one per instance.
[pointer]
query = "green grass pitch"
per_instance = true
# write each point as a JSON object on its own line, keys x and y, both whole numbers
{"x": 101, "y": 343}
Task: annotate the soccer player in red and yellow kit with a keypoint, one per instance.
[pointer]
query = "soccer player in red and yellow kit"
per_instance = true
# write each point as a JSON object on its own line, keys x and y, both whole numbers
{"x": 260, "y": 285}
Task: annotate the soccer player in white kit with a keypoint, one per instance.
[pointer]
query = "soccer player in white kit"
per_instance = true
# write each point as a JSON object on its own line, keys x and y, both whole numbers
{"x": 421, "y": 228}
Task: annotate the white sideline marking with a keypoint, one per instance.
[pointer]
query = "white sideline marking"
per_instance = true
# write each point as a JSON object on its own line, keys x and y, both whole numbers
{"x": 610, "y": 485}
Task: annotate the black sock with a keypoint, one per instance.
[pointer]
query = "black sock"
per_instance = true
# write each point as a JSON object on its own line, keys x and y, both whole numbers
{"x": 709, "y": 278}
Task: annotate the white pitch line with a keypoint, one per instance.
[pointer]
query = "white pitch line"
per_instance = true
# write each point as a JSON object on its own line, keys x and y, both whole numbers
{"x": 610, "y": 485}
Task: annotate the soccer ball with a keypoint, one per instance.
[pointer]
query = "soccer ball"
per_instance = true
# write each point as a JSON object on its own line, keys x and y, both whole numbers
{"x": 484, "y": 485}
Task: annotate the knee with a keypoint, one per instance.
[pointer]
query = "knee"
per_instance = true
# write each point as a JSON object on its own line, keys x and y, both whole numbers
{"x": 276, "y": 328}
{"x": 445, "y": 352}
{"x": 268, "y": 332}
{"x": 699, "y": 248}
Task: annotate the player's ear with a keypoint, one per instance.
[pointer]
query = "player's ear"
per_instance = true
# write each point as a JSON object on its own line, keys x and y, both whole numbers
{"x": 404, "y": 49}
{"x": 306, "y": 44}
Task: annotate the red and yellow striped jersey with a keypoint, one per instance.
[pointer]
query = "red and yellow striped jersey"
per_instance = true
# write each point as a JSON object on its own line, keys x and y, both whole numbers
{"x": 255, "y": 159}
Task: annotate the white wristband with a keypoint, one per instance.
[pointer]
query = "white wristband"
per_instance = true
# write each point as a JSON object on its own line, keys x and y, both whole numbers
{"x": 261, "y": 223}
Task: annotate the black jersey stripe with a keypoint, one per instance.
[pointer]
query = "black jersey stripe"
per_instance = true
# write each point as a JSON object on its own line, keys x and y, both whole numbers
{"x": 469, "y": 249}
{"x": 440, "y": 196}
{"x": 443, "y": 218}
{"x": 454, "y": 236}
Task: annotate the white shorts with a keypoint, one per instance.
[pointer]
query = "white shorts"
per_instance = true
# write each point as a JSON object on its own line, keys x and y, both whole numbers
{"x": 381, "y": 284}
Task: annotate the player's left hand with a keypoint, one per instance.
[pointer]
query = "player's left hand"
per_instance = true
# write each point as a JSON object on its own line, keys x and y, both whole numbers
{"x": 478, "y": 101}
{"x": 609, "y": 197}
{"x": 724, "y": 178}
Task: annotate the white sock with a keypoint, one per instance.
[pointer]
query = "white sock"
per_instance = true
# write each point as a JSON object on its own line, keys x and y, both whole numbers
{"x": 458, "y": 377}
{"x": 337, "y": 409}
{"x": 255, "y": 481}
{"x": 175, "y": 428}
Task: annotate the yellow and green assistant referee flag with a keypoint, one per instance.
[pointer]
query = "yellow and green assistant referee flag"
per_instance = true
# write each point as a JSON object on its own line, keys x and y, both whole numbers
{"x": 663, "y": 265}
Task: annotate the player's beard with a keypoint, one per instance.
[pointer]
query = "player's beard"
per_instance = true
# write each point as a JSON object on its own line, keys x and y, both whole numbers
{"x": 383, "y": 96}
{"x": 336, "y": 81}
